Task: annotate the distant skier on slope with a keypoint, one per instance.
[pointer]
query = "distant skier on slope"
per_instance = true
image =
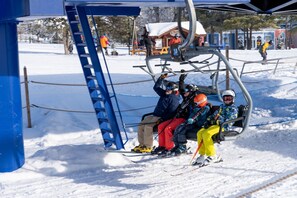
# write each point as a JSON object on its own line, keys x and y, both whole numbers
{"x": 104, "y": 43}
{"x": 263, "y": 49}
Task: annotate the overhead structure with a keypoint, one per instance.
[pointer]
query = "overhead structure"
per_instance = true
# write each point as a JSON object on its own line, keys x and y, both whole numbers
{"x": 257, "y": 7}
{"x": 14, "y": 11}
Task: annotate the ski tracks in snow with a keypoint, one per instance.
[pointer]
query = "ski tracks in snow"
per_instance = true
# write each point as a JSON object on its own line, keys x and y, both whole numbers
{"x": 38, "y": 187}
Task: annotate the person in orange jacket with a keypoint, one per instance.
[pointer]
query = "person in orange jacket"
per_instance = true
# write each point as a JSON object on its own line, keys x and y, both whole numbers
{"x": 104, "y": 43}
{"x": 174, "y": 40}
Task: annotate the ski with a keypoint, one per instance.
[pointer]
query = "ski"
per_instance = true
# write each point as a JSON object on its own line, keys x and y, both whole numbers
{"x": 178, "y": 168}
{"x": 194, "y": 168}
{"x": 141, "y": 159}
{"x": 133, "y": 154}
{"x": 168, "y": 155}
{"x": 217, "y": 160}
{"x": 127, "y": 154}
{"x": 124, "y": 152}
{"x": 185, "y": 170}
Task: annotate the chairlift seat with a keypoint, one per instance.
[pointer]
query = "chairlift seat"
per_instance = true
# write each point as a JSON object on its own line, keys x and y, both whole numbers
{"x": 217, "y": 138}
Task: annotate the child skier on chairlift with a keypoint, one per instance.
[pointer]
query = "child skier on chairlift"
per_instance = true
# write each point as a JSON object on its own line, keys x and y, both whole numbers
{"x": 194, "y": 122}
{"x": 227, "y": 111}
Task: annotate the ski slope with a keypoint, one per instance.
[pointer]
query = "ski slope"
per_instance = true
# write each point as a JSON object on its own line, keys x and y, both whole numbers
{"x": 64, "y": 150}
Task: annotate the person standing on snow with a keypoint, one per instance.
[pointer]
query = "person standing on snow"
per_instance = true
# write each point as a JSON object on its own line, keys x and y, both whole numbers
{"x": 175, "y": 40}
{"x": 263, "y": 50}
{"x": 166, "y": 128}
{"x": 259, "y": 43}
{"x": 165, "y": 110}
{"x": 104, "y": 43}
{"x": 227, "y": 111}
{"x": 70, "y": 48}
{"x": 147, "y": 43}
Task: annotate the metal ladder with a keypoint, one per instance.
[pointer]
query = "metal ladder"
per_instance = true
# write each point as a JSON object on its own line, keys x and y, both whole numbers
{"x": 82, "y": 36}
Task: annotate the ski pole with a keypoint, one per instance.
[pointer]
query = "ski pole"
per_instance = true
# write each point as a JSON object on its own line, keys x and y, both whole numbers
{"x": 198, "y": 148}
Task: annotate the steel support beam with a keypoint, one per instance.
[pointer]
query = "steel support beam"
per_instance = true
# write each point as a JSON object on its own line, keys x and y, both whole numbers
{"x": 11, "y": 137}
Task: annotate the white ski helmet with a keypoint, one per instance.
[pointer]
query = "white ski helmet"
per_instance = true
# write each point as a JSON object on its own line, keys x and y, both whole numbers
{"x": 229, "y": 92}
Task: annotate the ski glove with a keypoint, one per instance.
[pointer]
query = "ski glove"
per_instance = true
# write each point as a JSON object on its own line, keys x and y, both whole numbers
{"x": 164, "y": 76}
{"x": 215, "y": 122}
{"x": 190, "y": 121}
{"x": 209, "y": 123}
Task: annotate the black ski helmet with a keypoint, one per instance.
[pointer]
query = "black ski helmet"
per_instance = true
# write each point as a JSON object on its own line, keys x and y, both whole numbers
{"x": 191, "y": 88}
{"x": 172, "y": 86}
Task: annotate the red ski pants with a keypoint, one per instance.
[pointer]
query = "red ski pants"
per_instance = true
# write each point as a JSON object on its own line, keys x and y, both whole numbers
{"x": 165, "y": 131}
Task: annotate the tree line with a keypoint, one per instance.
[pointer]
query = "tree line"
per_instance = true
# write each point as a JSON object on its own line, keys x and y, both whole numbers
{"x": 120, "y": 29}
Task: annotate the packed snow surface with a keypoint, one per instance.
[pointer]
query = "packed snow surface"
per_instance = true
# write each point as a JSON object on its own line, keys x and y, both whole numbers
{"x": 64, "y": 150}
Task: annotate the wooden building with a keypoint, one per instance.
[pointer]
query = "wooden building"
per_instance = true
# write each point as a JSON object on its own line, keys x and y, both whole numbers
{"x": 161, "y": 33}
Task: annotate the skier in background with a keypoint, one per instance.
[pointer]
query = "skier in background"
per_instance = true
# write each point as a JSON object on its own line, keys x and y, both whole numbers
{"x": 263, "y": 50}
{"x": 104, "y": 43}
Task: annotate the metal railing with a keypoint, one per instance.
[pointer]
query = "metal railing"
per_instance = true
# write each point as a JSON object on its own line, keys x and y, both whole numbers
{"x": 276, "y": 62}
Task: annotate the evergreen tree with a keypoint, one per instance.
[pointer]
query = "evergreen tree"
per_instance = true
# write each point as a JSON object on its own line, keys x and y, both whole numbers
{"x": 212, "y": 21}
{"x": 59, "y": 28}
{"x": 118, "y": 29}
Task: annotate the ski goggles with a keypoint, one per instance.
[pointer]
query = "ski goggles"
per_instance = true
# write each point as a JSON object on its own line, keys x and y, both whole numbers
{"x": 200, "y": 102}
{"x": 228, "y": 98}
{"x": 169, "y": 88}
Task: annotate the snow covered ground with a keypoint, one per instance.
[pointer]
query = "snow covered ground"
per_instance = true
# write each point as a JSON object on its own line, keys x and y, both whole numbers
{"x": 64, "y": 150}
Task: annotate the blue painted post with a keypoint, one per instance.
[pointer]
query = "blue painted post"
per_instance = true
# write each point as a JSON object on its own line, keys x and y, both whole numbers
{"x": 11, "y": 137}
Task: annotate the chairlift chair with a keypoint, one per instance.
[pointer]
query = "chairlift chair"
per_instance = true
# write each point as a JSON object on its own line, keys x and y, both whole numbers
{"x": 185, "y": 54}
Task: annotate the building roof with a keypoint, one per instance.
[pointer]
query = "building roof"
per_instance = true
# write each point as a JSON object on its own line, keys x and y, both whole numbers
{"x": 157, "y": 29}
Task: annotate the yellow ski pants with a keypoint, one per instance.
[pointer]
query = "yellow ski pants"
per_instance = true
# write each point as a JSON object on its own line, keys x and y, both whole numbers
{"x": 207, "y": 147}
